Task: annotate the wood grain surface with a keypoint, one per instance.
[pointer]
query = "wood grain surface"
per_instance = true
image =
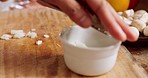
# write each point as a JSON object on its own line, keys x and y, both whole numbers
{"x": 21, "y": 58}
{"x": 140, "y": 54}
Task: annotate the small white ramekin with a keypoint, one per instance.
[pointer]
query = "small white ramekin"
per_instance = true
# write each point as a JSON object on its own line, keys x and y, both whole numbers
{"x": 97, "y": 58}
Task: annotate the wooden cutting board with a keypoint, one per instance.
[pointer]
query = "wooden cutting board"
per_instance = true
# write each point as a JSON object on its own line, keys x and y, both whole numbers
{"x": 21, "y": 58}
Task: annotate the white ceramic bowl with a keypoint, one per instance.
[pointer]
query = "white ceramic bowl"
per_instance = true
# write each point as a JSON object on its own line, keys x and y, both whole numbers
{"x": 96, "y": 53}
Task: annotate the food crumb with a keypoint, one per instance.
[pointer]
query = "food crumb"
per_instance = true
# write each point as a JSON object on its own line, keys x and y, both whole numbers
{"x": 6, "y": 36}
{"x": 31, "y": 34}
{"x": 46, "y": 36}
{"x": 39, "y": 42}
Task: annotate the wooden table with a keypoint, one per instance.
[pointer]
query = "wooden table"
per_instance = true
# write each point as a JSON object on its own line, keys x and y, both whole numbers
{"x": 21, "y": 58}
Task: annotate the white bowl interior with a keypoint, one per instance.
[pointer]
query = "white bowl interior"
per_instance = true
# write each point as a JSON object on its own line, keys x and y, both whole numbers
{"x": 89, "y": 36}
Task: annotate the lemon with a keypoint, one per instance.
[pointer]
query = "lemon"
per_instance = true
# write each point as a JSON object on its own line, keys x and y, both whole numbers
{"x": 119, "y": 5}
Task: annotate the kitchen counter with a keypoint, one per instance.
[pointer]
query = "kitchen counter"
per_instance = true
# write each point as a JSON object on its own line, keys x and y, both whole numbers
{"x": 22, "y": 58}
{"x": 140, "y": 54}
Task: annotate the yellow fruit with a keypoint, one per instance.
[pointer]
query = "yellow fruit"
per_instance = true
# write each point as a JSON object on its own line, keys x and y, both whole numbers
{"x": 119, "y": 5}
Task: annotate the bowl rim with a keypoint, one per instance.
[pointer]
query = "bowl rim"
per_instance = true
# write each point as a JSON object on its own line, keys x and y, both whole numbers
{"x": 117, "y": 43}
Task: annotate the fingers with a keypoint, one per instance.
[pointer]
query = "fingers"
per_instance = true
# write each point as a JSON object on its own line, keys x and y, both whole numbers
{"x": 109, "y": 18}
{"x": 131, "y": 36}
{"x": 102, "y": 10}
{"x": 74, "y": 11}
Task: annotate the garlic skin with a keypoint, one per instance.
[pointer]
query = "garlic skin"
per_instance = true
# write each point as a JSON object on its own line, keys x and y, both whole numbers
{"x": 145, "y": 31}
{"x": 140, "y": 25}
{"x": 135, "y": 30}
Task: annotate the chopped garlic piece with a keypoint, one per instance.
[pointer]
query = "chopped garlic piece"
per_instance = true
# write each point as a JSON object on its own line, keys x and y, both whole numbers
{"x": 16, "y": 31}
{"x": 79, "y": 44}
{"x": 39, "y": 42}
{"x": 19, "y": 35}
{"x": 46, "y": 36}
{"x": 6, "y": 37}
{"x": 31, "y": 34}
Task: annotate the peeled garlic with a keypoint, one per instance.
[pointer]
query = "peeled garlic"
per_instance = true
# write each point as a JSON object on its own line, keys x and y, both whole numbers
{"x": 127, "y": 21}
{"x": 6, "y": 37}
{"x": 79, "y": 44}
{"x": 135, "y": 30}
{"x": 128, "y": 13}
{"x": 31, "y": 34}
{"x": 140, "y": 25}
{"x": 144, "y": 17}
{"x": 19, "y": 35}
{"x": 138, "y": 14}
{"x": 145, "y": 31}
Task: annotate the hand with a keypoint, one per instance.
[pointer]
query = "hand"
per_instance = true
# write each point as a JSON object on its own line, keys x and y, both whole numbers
{"x": 109, "y": 18}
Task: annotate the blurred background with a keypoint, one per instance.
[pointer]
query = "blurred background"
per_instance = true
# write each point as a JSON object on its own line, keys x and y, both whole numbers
{"x": 7, "y": 5}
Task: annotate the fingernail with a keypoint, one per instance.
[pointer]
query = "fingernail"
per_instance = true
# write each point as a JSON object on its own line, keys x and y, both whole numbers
{"x": 85, "y": 22}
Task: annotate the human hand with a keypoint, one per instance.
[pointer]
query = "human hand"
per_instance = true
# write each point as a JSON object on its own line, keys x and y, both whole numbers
{"x": 107, "y": 15}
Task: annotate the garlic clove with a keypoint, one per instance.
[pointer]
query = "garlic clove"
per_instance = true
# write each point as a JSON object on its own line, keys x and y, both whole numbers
{"x": 144, "y": 17}
{"x": 127, "y": 21}
{"x": 128, "y": 13}
{"x": 140, "y": 25}
{"x": 135, "y": 30}
{"x": 145, "y": 31}
{"x": 138, "y": 14}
